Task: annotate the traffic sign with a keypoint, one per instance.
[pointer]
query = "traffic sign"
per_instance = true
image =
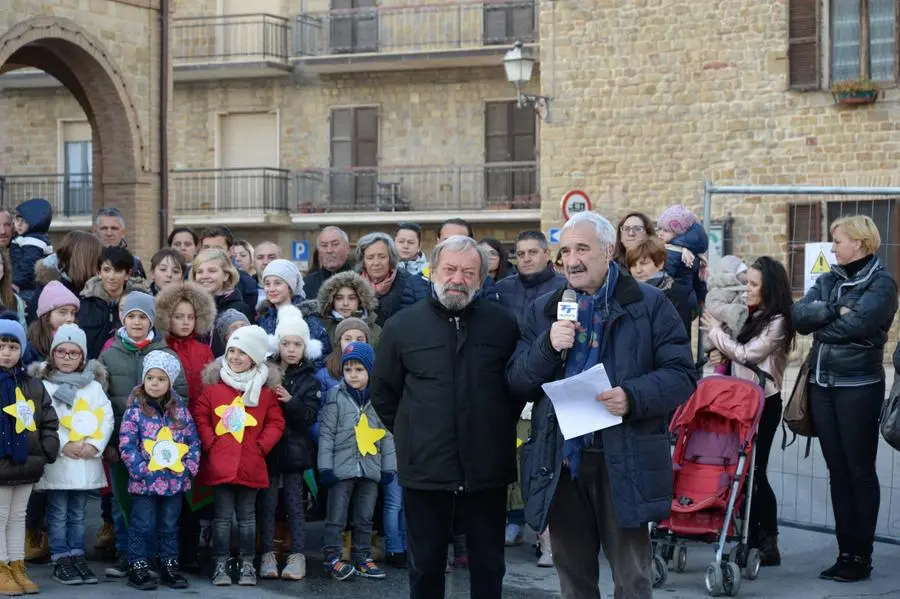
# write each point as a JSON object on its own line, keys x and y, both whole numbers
{"x": 817, "y": 260}
{"x": 300, "y": 251}
{"x": 554, "y": 235}
{"x": 575, "y": 201}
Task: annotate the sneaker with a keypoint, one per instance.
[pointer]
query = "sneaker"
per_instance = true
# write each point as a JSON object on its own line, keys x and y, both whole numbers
{"x": 295, "y": 569}
{"x": 170, "y": 575}
{"x": 106, "y": 537}
{"x": 514, "y": 536}
{"x": 221, "y": 577}
{"x": 368, "y": 569}
{"x": 339, "y": 569}
{"x": 268, "y": 566}
{"x": 857, "y": 568}
{"x": 396, "y": 560}
{"x": 118, "y": 569}
{"x": 64, "y": 572}
{"x": 139, "y": 576}
{"x": 545, "y": 559}
{"x": 247, "y": 577}
{"x": 829, "y": 573}
{"x": 81, "y": 566}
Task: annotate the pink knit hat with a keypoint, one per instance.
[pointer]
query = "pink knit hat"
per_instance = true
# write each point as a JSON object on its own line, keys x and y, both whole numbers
{"x": 676, "y": 219}
{"x": 55, "y": 295}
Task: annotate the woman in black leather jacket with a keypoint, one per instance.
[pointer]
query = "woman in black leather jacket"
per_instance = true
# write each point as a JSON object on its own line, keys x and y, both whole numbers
{"x": 849, "y": 312}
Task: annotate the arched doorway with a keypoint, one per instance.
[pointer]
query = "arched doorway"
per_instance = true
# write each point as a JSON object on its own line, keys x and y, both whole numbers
{"x": 122, "y": 173}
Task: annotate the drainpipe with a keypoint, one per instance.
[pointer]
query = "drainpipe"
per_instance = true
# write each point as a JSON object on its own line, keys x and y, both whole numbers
{"x": 163, "y": 122}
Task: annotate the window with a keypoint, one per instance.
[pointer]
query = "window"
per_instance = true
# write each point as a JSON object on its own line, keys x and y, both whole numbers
{"x": 354, "y": 157}
{"x": 506, "y": 22}
{"x": 247, "y": 159}
{"x": 76, "y": 164}
{"x": 352, "y": 28}
{"x": 510, "y": 140}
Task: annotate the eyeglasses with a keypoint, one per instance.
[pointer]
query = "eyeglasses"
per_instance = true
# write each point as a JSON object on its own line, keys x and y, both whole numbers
{"x": 632, "y": 230}
{"x": 66, "y": 354}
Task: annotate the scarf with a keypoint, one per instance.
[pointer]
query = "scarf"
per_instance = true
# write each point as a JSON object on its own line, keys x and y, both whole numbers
{"x": 250, "y": 381}
{"x": 384, "y": 287}
{"x": 70, "y": 383}
{"x": 132, "y": 345}
{"x": 414, "y": 266}
{"x": 12, "y": 445}
{"x": 360, "y": 396}
{"x": 363, "y": 315}
{"x": 585, "y": 354}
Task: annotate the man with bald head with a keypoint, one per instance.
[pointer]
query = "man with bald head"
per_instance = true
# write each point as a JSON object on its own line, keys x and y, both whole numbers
{"x": 333, "y": 246}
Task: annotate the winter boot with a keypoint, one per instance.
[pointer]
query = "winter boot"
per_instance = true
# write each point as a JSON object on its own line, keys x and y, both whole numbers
{"x": 8, "y": 585}
{"x": 29, "y": 587}
{"x": 545, "y": 560}
{"x": 768, "y": 549}
{"x": 106, "y": 537}
{"x": 37, "y": 547}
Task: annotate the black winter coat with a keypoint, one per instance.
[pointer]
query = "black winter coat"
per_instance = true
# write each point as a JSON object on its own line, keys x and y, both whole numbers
{"x": 439, "y": 387}
{"x": 314, "y": 280}
{"x": 296, "y": 451}
{"x": 517, "y": 292}
{"x": 43, "y": 443}
{"x": 231, "y": 300}
{"x": 391, "y": 302}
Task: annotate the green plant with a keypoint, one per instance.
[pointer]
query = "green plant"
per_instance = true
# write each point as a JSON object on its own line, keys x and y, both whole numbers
{"x": 853, "y": 86}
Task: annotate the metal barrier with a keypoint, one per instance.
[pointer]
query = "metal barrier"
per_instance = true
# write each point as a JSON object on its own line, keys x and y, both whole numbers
{"x": 244, "y": 190}
{"x": 250, "y": 37}
{"x": 70, "y": 195}
{"x": 794, "y": 216}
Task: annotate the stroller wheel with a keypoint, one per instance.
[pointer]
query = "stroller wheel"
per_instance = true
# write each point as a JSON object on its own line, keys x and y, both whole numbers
{"x": 715, "y": 580}
{"x": 732, "y": 582}
{"x": 754, "y": 560}
{"x": 738, "y": 555}
{"x": 660, "y": 571}
{"x": 680, "y": 558}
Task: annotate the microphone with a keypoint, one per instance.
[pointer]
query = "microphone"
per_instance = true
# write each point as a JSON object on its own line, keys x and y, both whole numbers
{"x": 567, "y": 309}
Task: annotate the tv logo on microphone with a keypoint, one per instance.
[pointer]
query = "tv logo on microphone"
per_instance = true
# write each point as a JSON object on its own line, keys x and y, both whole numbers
{"x": 567, "y": 311}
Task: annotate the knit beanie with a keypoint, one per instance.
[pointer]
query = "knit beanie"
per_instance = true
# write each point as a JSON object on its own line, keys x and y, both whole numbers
{"x": 351, "y": 324}
{"x": 288, "y": 272}
{"x": 70, "y": 333}
{"x": 228, "y": 318}
{"x": 138, "y": 301}
{"x": 676, "y": 219}
{"x": 12, "y": 328}
{"x": 164, "y": 361}
{"x": 359, "y": 352}
{"x": 291, "y": 323}
{"x": 253, "y": 341}
{"x": 55, "y": 295}
{"x": 731, "y": 265}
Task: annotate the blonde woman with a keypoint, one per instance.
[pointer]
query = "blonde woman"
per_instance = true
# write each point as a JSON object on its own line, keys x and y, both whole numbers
{"x": 213, "y": 270}
{"x": 849, "y": 312}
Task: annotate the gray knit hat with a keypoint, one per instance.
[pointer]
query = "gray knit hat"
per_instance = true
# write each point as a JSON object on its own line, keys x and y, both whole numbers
{"x": 228, "y": 318}
{"x": 138, "y": 301}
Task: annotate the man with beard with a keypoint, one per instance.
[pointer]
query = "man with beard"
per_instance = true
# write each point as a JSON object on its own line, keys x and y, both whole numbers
{"x": 442, "y": 392}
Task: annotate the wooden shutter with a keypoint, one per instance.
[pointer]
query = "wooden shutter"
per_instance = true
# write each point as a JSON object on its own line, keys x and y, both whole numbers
{"x": 803, "y": 44}
{"x": 522, "y": 21}
{"x": 804, "y": 226}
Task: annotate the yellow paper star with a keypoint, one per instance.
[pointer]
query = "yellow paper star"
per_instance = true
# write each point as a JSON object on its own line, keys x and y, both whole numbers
{"x": 23, "y": 412}
{"x": 519, "y": 443}
{"x": 164, "y": 452}
{"x": 426, "y": 272}
{"x": 83, "y": 422}
{"x": 234, "y": 419}
{"x": 366, "y": 437}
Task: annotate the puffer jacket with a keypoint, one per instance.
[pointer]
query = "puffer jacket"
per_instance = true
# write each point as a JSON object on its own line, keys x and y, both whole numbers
{"x": 688, "y": 291}
{"x": 368, "y": 305}
{"x": 223, "y": 460}
{"x": 766, "y": 352}
{"x": 314, "y": 280}
{"x": 26, "y": 250}
{"x": 230, "y": 300}
{"x": 414, "y": 266}
{"x": 43, "y": 443}
{"x": 139, "y": 427}
{"x": 517, "y": 292}
{"x": 67, "y": 473}
{"x": 98, "y": 314}
{"x": 338, "y": 450}
{"x": 727, "y": 300}
{"x": 125, "y": 368}
{"x": 848, "y": 349}
{"x": 296, "y": 451}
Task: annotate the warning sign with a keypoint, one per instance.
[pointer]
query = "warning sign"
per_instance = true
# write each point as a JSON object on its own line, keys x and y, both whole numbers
{"x": 817, "y": 259}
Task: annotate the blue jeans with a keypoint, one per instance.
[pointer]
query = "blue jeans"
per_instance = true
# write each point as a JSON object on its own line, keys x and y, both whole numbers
{"x": 65, "y": 522}
{"x": 153, "y": 527}
{"x": 394, "y": 518}
{"x": 359, "y": 496}
{"x": 119, "y": 517}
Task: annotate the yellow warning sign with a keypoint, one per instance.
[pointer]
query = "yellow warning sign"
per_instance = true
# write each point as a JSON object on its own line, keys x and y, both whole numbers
{"x": 821, "y": 266}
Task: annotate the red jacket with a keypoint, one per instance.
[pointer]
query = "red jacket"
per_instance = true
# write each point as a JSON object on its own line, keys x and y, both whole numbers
{"x": 194, "y": 356}
{"x": 224, "y": 460}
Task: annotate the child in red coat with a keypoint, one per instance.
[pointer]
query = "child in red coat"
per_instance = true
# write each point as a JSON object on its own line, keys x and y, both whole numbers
{"x": 239, "y": 421}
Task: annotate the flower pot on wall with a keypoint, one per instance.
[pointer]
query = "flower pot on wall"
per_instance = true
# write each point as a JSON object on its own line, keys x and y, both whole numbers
{"x": 855, "y": 97}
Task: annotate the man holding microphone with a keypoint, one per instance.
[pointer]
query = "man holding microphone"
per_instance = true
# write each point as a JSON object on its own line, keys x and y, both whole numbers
{"x": 601, "y": 490}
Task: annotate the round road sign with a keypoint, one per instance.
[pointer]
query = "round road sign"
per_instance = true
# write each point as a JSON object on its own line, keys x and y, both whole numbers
{"x": 575, "y": 201}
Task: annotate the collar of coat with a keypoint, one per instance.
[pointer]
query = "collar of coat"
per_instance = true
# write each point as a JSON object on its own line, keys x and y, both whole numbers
{"x": 627, "y": 292}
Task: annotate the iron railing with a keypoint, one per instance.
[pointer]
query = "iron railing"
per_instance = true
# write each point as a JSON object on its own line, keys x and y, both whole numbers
{"x": 251, "y": 37}
{"x": 229, "y": 190}
{"x": 451, "y": 25}
{"x": 497, "y": 186}
{"x": 69, "y": 194}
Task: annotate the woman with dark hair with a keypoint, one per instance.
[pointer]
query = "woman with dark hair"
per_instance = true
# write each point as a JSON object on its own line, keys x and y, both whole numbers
{"x": 498, "y": 258}
{"x": 634, "y": 228}
{"x": 73, "y": 265}
{"x": 187, "y": 242}
{"x": 761, "y": 346}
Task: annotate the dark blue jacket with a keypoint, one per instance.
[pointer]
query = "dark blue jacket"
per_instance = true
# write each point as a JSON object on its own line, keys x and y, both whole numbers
{"x": 517, "y": 292}
{"x": 25, "y": 250}
{"x": 418, "y": 287}
{"x": 249, "y": 289}
{"x": 646, "y": 351}
{"x": 688, "y": 291}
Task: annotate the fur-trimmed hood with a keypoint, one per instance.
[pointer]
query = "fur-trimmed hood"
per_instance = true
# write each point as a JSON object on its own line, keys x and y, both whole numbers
{"x": 42, "y": 371}
{"x": 94, "y": 288}
{"x": 329, "y": 289}
{"x": 204, "y": 306}
{"x": 211, "y": 374}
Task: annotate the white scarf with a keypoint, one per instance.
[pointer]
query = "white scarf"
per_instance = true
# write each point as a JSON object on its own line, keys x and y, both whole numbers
{"x": 250, "y": 381}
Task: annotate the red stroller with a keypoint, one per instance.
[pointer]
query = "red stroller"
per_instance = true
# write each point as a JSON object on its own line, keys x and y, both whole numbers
{"x": 713, "y": 461}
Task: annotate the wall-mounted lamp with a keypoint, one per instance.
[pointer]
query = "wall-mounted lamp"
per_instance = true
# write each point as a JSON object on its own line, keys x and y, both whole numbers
{"x": 519, "y": 63}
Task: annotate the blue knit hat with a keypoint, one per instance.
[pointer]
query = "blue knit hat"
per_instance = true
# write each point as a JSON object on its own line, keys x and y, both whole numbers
{"x": 12, "y": 328}
{"x": 359, "y": 352}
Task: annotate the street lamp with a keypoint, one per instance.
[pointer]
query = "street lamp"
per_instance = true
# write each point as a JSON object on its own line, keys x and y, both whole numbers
{"x": 519, "y": 63}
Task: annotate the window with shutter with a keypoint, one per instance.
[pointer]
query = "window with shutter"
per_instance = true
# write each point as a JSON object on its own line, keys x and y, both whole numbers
{"x": 506, "y": 22}
{"x": 354, "y": 26}
{"x": 510, "y": 136}
{"x": 354, "y": 157}
{"x": 803, "y": 44}
{"x": 804, "y": 226}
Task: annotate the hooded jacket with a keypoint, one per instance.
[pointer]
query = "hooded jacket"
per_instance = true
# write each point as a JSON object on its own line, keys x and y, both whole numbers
{"x": 296, "y": 450}
{"x": 193, "y": 353}
{"x": 517, "y": 292}
{"x": 688, "y": 291}
{"x": 315, "y": 279}
{"x": 26, "y": 250}
{"x": 43, "y": 443}
{"x": 727, "y": 300}
{"x": 98, "y": 315}
{"x": 367, "y": 303}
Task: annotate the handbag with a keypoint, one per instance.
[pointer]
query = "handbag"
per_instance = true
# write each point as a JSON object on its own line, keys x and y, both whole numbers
{"x": 890, "y": 416}
{"x": 797, "y": 416}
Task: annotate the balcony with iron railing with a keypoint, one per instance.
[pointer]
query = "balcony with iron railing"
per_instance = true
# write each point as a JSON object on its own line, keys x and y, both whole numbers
{"x": 235, "y": 194}
{"x": 70, "y": 195}
{"x": 443, "y": 34}
{"x": 230, "y": 46}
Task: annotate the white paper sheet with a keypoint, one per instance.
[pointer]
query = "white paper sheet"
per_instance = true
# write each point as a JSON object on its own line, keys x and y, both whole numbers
{"x": 575, "y": 402}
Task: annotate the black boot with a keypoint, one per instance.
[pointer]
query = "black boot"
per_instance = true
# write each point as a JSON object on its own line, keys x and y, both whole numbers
{"x": 140, "y": 578}
{"x": 829, "y": 573}
{"x": 170, "y": 576}
{"x": 855, "y": 569}
{"x": 768, "y": 549}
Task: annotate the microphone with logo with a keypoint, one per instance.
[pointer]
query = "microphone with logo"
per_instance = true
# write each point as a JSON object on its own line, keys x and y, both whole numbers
{"x": 567, "y": 309}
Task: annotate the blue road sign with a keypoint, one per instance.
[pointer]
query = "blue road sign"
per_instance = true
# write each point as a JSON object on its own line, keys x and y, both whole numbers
{"x": 300, "y": 250}
{"x": 554, "y": 235}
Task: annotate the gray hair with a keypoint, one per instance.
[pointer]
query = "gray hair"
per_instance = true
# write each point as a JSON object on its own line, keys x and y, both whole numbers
{"x": 606, "y": 233}
{"x": 333, "y": 228}
{"x": 370, "y": 239}
{"x": 461, "y": 243}
{"x": 108, "y": 212}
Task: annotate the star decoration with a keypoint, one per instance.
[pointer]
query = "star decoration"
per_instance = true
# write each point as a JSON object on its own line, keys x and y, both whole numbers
{"x": 366, "y": 437}
{"x": 82, "y": 422}
{"x": 519, "y": 443}
{"x": 23, "y": 412}
{"x": 234, "y": 419}
{"x": 164, "y": 452}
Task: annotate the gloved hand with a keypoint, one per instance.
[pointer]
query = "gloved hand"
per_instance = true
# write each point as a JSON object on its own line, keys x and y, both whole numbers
{"x": 387, "y": 478}
{"x": 327, "y": 478}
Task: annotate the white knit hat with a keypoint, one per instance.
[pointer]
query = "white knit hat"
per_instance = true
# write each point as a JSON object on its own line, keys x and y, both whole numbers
{"x": 288, "y": 272}
{"x": 251, "y": 340}
{"x": 292, "y": 324}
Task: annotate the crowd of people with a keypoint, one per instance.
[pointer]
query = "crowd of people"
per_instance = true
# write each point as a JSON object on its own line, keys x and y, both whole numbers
{"x": 393, "y": 391}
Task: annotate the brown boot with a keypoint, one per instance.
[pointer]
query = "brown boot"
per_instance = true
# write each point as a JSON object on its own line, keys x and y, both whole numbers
{"x": 106, "y": 537}
{"x": 37, "y": 547}
{"x": 8, "y": 585}
{"x": 21, "y": 578}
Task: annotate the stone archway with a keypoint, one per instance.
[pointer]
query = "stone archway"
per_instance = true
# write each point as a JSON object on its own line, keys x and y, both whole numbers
{"x": 122, "y": 169}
